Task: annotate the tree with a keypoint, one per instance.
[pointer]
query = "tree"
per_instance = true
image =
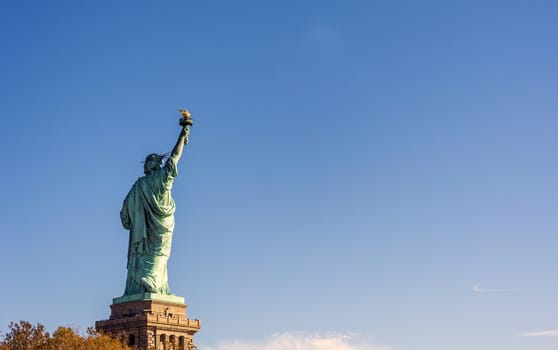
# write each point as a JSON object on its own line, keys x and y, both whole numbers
{"x": 25, "y": 336}
{"x": 99, "y": 341}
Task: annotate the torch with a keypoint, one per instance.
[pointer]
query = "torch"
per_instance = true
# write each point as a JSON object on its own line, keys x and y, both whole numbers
{"x": 186, "y": 120}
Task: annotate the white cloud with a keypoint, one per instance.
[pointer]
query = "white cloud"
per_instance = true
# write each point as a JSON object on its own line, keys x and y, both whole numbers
{"x": 548, "y": 333}
{"x": 298, "y": 341}
{"x": 478, "y": 289}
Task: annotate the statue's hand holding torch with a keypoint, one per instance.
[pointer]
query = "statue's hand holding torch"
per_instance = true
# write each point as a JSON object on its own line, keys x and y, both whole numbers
{"x": 186, "y": 121}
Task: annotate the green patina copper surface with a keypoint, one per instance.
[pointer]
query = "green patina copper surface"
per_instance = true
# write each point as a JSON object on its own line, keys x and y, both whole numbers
{"x": 174, "y": 299}
{"x": 148, "y": 213}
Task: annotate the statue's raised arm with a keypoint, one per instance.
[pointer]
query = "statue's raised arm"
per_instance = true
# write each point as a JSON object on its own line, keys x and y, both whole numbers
{"x": 185, "y": 122}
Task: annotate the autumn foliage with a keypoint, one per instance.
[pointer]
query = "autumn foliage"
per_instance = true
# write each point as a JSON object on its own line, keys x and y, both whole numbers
{"x": 25, "y": 336}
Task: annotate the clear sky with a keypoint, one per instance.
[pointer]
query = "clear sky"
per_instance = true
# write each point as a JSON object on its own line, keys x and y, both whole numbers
{"x": 360, "y": 175}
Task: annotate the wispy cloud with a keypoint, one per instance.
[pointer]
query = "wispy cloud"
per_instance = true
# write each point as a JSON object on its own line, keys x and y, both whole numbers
{"x": 547, "y": 333}
{"x": 322, "y": 35}
{"x": 478, "y": 289}
{"x": 299, "y": 341}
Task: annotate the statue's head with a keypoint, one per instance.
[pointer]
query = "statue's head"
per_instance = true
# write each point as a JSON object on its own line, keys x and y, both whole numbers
{"x": 152, "y": 162}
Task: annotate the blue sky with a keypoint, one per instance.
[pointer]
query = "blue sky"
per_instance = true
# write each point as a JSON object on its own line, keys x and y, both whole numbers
{"x": 380, "y": 174}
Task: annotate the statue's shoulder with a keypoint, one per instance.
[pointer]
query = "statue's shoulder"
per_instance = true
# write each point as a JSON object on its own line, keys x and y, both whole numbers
{"x": 141, "y": 181}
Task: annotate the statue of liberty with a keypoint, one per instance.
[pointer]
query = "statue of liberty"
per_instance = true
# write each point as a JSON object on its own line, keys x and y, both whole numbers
{"x": 148, "y": 213}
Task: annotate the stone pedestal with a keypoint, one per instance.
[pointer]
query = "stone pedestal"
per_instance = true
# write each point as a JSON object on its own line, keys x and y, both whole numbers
{"x": 151, "y": 322}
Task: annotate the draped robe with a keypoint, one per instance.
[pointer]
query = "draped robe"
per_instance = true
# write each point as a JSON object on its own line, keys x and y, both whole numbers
{"x": 148, "y": 213}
